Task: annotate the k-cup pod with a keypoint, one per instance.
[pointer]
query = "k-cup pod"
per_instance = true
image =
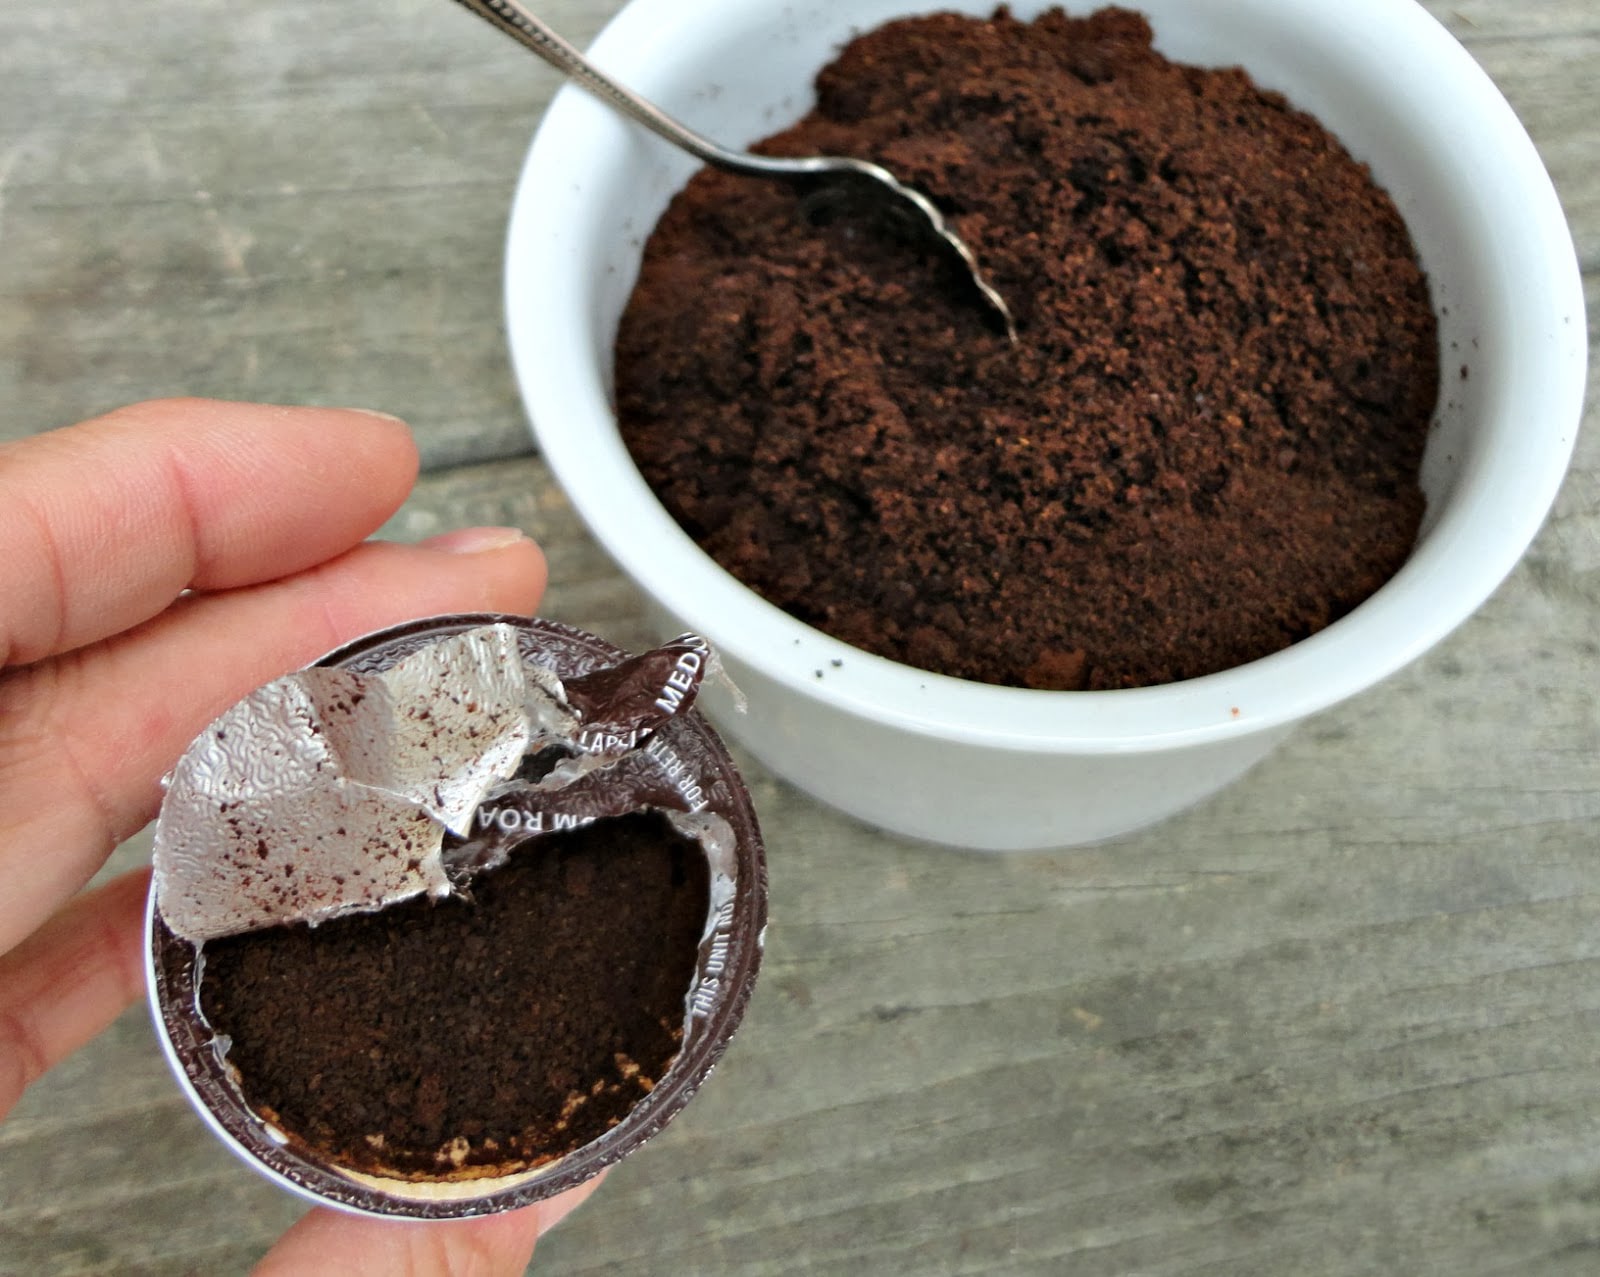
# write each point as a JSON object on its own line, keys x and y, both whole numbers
{"x": 457, "y": 917}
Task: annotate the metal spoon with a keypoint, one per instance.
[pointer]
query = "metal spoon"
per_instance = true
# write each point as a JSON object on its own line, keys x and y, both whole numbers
{"x": 824, "y": 174}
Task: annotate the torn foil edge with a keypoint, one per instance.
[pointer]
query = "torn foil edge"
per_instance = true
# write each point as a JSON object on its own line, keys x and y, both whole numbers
{"x": 329, "y": 791}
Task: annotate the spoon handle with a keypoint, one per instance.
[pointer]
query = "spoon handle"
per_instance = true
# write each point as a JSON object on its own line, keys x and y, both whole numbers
{"x": 513, "y": 18}
{"x": 530, "y": 31}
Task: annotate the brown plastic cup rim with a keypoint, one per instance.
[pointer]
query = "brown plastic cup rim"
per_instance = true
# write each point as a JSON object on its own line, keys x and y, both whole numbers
{"x": 172, "y": 970}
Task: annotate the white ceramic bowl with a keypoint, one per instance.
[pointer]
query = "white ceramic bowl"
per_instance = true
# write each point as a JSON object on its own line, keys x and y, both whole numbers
{"x": 1004, "y": 768}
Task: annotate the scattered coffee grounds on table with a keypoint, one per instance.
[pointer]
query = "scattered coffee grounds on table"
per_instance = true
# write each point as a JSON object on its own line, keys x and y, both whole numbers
{"x": 1206, "y": 446}
{"x": 476, "y": 1035}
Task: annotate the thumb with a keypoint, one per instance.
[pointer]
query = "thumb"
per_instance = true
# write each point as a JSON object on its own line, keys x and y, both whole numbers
{"x": 327, "y": 1241}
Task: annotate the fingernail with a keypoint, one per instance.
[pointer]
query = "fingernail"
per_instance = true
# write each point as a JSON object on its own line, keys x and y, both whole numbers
{"x": 474, "y": 540}
{"x": 381, "y": 416}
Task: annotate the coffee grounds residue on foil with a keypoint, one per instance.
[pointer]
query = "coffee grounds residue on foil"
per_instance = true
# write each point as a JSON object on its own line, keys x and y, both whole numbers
{"x": 332, "y": 791}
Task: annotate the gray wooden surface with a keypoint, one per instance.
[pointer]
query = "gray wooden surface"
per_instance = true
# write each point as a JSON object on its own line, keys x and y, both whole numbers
{"x": 1343, "y": 1019}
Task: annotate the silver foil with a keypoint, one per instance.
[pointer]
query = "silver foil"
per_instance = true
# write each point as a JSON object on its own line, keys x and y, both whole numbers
{"x": 328, "y": 791}
{"x": 331, "y": 791}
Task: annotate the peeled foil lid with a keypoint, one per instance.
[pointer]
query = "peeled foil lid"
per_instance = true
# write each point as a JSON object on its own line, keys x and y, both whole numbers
{"x": 331, "y": 791}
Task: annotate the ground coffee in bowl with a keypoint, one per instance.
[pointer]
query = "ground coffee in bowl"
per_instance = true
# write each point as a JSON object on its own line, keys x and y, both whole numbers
{"x": 551, "y": 1000}
{"x": 1204, "y": 448}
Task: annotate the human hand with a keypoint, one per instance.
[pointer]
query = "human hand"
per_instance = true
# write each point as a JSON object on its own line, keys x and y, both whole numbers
{"x": 157, "y": 564}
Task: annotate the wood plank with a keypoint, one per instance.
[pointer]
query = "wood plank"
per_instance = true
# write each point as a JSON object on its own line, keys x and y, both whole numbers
{"x": 264, "y": 203}
{"x": 1343, "y": 1019}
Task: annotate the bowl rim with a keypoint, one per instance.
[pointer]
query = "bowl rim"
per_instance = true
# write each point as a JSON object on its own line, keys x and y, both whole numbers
{"x": 574, "y": 427}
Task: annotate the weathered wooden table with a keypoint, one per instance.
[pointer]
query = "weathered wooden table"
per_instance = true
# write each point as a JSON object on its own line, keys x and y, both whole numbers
{"x": 1345, "y": 1018}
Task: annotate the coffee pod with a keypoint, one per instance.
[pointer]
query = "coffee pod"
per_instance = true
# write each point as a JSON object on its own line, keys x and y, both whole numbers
{"x": 457, "y": 917}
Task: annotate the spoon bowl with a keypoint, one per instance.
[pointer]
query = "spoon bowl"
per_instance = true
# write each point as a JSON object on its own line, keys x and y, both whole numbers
{"x": 856, "y": 181}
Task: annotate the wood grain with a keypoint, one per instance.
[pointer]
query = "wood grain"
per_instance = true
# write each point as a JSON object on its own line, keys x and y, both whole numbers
{"x": 1343, "y": 1019}
{"x": 264, "y": 202}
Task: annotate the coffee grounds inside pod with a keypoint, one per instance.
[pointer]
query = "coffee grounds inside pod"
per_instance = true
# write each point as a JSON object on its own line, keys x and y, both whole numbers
{"x": 483, "y": 1034}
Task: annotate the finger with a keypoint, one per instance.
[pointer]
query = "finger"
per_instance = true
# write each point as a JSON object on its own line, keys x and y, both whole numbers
{"x": 326, "y": 1241}
{"x": 70, "y": 979}
{"x": 85, "y": 738}
{"x": 105, "y": 523}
